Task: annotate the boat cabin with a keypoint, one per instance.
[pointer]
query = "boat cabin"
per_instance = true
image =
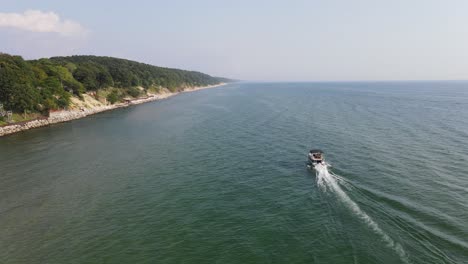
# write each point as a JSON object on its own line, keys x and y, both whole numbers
{"x": 315, "y": 156}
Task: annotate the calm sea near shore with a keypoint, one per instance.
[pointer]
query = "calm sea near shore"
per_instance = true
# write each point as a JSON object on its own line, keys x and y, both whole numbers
{"x": 219, "y": 176}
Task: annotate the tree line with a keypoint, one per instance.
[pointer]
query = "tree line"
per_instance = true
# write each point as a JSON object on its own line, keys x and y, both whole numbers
{"x": 45, "y": 84}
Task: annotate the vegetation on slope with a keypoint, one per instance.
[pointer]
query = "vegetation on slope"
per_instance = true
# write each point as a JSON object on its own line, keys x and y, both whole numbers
{"x": 47, "y": 84}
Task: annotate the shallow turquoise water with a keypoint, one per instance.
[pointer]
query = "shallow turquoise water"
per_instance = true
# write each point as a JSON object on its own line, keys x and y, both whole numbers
{"x": 219, "y": 176}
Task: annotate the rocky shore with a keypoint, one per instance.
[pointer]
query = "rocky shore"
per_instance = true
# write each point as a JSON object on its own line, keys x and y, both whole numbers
{"x": 68, "y": 115}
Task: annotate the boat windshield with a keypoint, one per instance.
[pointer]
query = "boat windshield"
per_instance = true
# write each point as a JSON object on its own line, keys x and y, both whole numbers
{"x": 317, "y": 155}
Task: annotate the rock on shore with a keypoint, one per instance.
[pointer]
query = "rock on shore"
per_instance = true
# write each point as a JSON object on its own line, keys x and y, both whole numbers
{"x": 55, "y": 117}
{"x": 78, "y": 111}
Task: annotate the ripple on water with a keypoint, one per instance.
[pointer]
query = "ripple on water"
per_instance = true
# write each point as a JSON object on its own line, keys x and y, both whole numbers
{"x": 219, "y": 176}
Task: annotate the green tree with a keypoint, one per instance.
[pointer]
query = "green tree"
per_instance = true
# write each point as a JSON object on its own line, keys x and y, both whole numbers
{"x": 113, "y": 97}
{"x": 133, "y": 92}
{"x": 43, "y": 84}
{"x": 16, "y": 84}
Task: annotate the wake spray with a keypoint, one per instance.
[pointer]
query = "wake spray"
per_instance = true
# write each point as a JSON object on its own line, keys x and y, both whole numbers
{"x": 327, "y": 181}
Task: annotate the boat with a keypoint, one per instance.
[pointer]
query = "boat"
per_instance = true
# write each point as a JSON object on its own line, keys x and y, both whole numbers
{"x": 316, "y": 157}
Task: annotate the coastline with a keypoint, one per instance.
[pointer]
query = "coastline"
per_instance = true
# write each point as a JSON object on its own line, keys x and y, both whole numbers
{"x": 69, "y": 115}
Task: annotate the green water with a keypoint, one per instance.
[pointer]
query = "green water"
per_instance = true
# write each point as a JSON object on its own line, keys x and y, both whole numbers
{"x": 219, "y": 176}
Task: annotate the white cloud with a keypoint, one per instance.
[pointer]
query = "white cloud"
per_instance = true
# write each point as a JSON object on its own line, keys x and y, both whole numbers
{"x": 38, "y": 21}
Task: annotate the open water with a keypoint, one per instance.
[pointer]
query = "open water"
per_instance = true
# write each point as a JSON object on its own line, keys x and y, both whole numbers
{"x": 220, "y": 176}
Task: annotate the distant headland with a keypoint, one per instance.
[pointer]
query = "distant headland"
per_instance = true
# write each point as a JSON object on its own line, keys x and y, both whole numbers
{"x": 36, "y": 93}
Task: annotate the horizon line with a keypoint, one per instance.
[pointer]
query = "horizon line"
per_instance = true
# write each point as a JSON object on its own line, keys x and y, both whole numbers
{"x": 355, "y": 81}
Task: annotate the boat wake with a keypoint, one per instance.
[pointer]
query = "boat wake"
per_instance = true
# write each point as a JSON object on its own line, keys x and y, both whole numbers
{"x": 327, "y": 181}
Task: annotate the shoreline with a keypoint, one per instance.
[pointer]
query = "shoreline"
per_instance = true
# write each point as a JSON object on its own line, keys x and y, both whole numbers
{"x": 69, "y": 115}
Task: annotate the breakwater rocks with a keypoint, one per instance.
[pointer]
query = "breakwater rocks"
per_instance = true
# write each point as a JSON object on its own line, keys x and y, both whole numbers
{"x": 68, "y": 115}
{"x": 55, "y": 117}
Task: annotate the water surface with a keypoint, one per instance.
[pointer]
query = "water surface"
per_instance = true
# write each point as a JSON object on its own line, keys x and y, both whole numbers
{"x": 219, "y": 176}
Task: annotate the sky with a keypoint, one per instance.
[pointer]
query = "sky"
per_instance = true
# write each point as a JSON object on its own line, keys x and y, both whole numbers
{"x": 295, "y": 40}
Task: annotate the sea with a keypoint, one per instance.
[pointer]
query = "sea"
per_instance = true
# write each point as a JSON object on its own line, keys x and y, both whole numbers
{"x": 220, "y": 176}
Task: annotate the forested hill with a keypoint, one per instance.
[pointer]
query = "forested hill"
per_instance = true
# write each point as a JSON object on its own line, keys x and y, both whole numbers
{"x": 44, "y": 84}
{"x": 95, "y": 72}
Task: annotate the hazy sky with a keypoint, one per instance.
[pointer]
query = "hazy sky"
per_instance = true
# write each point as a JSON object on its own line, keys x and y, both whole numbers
{"x": 252, "y": 40}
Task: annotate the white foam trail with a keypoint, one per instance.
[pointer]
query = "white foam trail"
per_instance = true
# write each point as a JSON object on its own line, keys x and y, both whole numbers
{"x": 328, "y": 181}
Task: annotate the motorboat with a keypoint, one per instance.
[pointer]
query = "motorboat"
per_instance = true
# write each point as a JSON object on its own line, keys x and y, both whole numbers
{"x": 316, "y": 157}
